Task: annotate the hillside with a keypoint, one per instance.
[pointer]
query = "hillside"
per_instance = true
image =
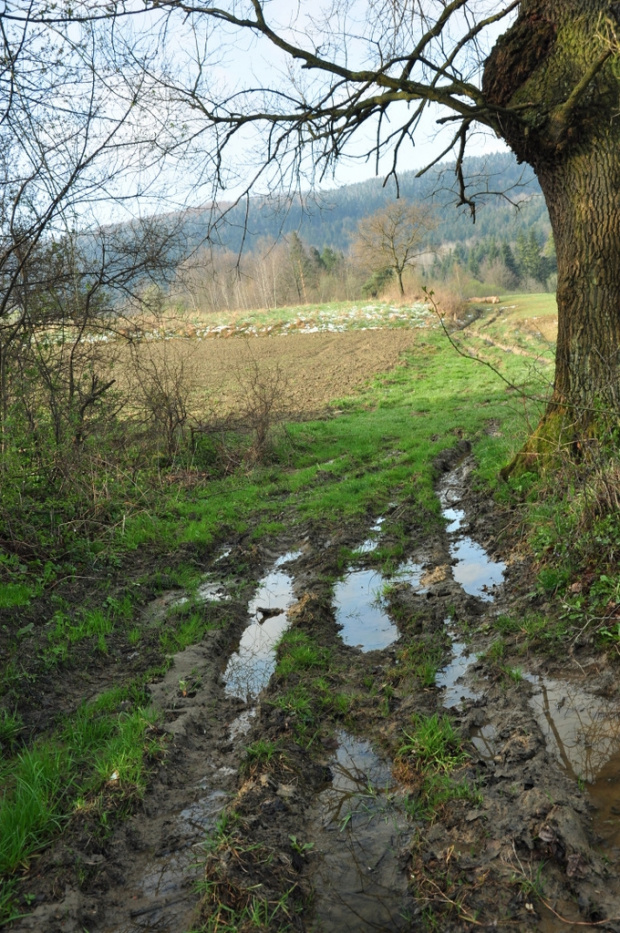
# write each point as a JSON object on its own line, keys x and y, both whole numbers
{"x": 330, "y": 218}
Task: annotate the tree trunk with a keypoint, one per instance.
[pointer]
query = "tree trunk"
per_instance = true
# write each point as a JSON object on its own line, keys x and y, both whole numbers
{"x": 583, "y": 197}
{"x": 556, "y": 69}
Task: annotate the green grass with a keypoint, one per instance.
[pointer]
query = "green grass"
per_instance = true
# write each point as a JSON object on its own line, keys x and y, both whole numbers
{"x": 531, "y": 629}
{"x": 10, "y": 728}
{"x": 435, "y": 792}
{"x": 536, "y": 304}
{"x": 432, "y": 744}
{"x": 381, "y": 442}
{"x": 347, "y": 314}
{"x": 67, "y": 629}
{"x": 299, "y": 652}
{"x": 429, "y": 755}
{"x": 422, "y": 657}
{"x": 14, "y": 594}
{"x": 98, "y": 751}
{"x": 258, "y": 754}
{"x": 186, "y": 626}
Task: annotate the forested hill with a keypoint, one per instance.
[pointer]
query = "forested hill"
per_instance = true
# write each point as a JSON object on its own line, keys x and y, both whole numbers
{"x": 330, "y": 219}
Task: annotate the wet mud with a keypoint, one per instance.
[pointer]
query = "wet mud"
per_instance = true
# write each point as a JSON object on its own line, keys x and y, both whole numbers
{"x": 325, "y": 821}
{"x": 360, "y": 833}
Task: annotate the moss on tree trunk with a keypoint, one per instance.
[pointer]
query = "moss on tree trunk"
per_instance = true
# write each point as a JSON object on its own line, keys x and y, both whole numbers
{"x": 557, "y": 68}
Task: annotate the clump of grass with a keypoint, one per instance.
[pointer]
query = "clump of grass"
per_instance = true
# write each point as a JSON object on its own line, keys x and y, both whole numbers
{"x": 421, "y": 658}
{"x": 428, "y": 756}
{"x": 299, "y": 652}
{"x": 259, "y": 754}
{"x": 232, "y": 889}
{"x": 532, "y": 629}
{"x": 311, "y": 705}
{"x": 432, "y": 744}
{"x": 15, "y": 594}
{"x": 438, "y": 790}
{"x": 186, "y": 626}
{"x": 11, "y": 725}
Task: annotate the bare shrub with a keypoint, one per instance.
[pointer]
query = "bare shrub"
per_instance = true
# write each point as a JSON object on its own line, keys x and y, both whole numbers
{"x": 450, "y": 303}
{"x": 162, "y": 383}
{"x": 498, "y": 276}
{"x": 263, "y": 405}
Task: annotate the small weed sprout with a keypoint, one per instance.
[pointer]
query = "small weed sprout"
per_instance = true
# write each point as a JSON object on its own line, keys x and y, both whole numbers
{"x": 300, "y": 847}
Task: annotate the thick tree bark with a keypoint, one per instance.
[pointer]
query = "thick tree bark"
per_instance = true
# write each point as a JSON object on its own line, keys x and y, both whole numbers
{"x": 556, "y": 68}
{"x": 583, "y": 197}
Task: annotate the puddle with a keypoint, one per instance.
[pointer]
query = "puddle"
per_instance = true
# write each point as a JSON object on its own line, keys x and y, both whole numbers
{"x": 473, "y": 569}
{"x": 211, "y": 591}
{"x": 454, "y": 517}
{"x": 360, "y": 608}
{"x": 166, "y": 899}
{"x": 450, "y": 677}
{"x": 371, "y": 543}
{"x": 581, "y": 730}
{"x": 484, "y": 739}
{"x": 604, "y": 792}
{"x": 412, "y": 573}
{"x": 359, "y": 829}
{"x": 360, "y": 612}
{"x": 242, "y": 724}
{"x": 287, "y": 558}
{"x": 250, "y": 667}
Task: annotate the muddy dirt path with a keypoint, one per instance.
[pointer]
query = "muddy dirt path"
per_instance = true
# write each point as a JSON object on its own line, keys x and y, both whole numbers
{"x": 318, "y": 820}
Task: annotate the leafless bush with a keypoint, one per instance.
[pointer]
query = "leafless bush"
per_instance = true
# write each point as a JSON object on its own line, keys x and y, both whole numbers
{"x": 162, "y": 382}
{"x": 450, "y": 304}
{"x": 263, "y": 405}
{"x": 245, "y": 435}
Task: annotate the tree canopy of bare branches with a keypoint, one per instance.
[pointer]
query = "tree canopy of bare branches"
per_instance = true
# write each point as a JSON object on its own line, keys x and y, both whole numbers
{"x": 393, "y": 237}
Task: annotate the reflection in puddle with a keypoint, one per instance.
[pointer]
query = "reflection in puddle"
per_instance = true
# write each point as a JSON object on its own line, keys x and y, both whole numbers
{"x": 359, "y": 829}
{"x": 242, "y": 724}
{"x": 371, "y": 543}
{"x": 250, "y": 667}
{"x": 287, "y": 558}
{"x": 484, "y": 739}
{"x": 604, "y": 792}
{"x": 454, "y": 517}
{"x": 166, "y": 899}
{"x": 473, "y": 570}
{"x": 449, "y": 678}
{"x": 359, "y": 610}
{"x": 212, "y": 591}
{"x": 410, "y": 572}
{"x": 583, "y": 732}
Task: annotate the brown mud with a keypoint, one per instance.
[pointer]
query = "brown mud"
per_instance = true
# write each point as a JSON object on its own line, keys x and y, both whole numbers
{"x": 296, "y": 778}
